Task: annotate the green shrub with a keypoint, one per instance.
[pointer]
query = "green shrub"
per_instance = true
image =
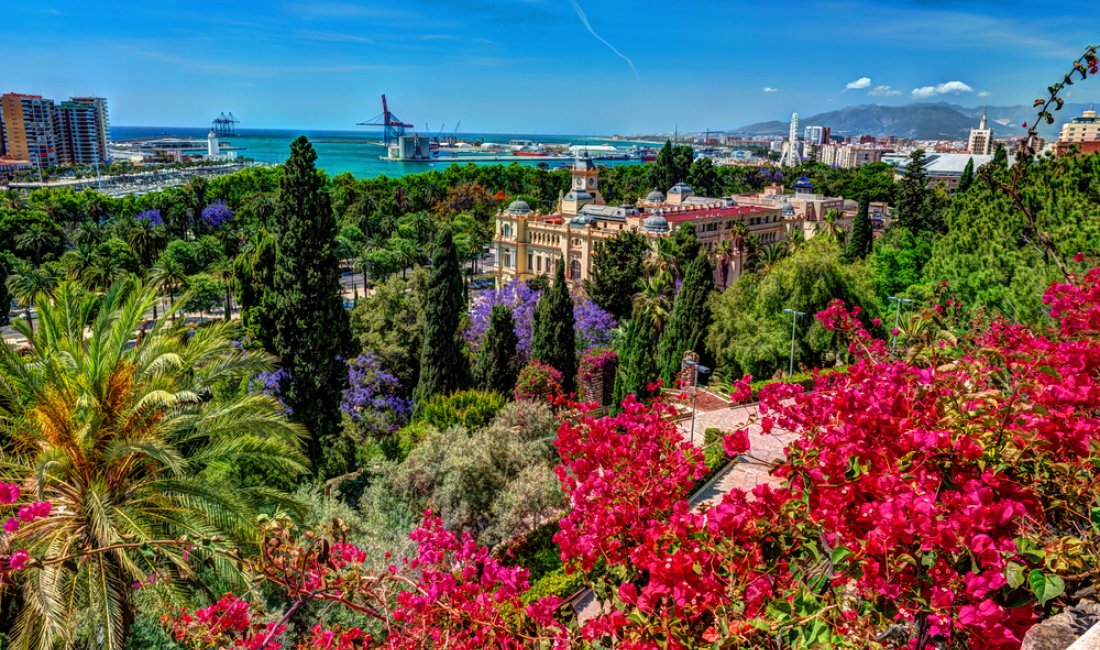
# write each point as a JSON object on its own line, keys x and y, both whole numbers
{"x": 556, "y": 583}
{"x": 536, "y": 551}
{"x": 411, "y": 435}
{"x": 471, "y": 409}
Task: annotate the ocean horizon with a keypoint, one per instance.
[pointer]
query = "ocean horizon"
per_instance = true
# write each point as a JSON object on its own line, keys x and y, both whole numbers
{"x": 357, "y": 151}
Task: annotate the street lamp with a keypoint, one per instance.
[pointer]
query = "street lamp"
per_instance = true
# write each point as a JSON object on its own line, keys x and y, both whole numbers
{"x": 897, "y": 315}
{"x": 699, "y": 369}
{"x": 795, "y": 315}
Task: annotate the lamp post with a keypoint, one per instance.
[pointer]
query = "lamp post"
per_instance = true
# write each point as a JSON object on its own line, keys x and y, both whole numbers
{"x": 698, "y": 369}
{"x": 897, "y": 315}
{"x": 795, "y": 315}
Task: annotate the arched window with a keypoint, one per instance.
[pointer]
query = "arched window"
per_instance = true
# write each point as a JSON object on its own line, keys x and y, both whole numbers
{"x": 575, "y": 270}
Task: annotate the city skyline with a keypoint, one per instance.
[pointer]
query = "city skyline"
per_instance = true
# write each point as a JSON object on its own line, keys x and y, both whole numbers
{"x": 568, "y": 66}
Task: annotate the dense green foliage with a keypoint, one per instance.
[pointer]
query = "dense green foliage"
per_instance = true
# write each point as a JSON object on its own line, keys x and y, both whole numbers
{"x": 637, "y": 358}
{"x": 497, "y": 360}
{"x": 391, "y": 322}
{"x": 673, "y": 165}
{"x": 311, "y": 327}
{"x": 752, "y": 334}
{"x": 444, "y": 367}
{"x": 989, "y": 256}
{"x": 617, "y": 272}
{"x": 471, "y": 409}
{"x": 553, "y": 341}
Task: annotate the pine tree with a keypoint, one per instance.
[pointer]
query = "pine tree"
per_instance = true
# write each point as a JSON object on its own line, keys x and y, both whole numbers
{"x": 916, "y": 209}
{"x": 553, "y": 341}
{"x": 638, "y": 359}
{"x": 690, "y": 318}
{"x": 496, "y": 368}
{"x": 1000, "y": 157}
{"x": 663, "y": 173}
{"x": 311, "y": 327}
{"x": 443, "y": 364}
{"x": 860, "y": 243}
{"x": 967, "y": 177}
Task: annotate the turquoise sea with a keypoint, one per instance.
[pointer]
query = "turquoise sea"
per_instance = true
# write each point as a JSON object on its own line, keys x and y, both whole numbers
{"x": 357, "y": 152}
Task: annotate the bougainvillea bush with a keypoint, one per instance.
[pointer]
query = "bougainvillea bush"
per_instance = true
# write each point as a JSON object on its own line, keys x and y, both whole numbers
{"x": 538, "y": 381}
{"x": 941, "y": 497}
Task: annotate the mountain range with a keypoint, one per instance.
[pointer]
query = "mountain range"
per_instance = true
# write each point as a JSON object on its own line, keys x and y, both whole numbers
{"x": 920, "y": 121}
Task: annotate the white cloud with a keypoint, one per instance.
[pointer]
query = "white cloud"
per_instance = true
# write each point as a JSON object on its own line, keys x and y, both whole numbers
{"x": 769, "y": 89}
{"x": 883, "y": 91}
{"x": 859, "y": 84}
{"x": 946, "y": 88}
{"x": 984, "y": 93}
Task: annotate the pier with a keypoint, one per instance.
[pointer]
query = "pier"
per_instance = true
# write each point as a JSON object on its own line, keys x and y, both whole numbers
{"x": 464, "y": 158}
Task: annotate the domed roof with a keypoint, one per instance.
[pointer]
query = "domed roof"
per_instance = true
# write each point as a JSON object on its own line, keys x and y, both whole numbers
{"x": 583, "y": 219}
{"x": 803, "y": 182}
{"x": 680, "y": 188}
{"x": 655, "y": 223}
{"x": 578, "y": 195}
{"x": 518, "y": 206}
{"x": 655, "y": 196}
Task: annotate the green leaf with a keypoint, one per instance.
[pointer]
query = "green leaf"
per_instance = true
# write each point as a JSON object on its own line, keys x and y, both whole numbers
{"x": 1014, "y": 574}
{"x": 840, "y": 554}
{"x": 1045, "y": 587}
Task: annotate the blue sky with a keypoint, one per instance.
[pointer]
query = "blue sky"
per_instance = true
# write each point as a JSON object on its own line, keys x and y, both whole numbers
{"x": 532, "y": 65}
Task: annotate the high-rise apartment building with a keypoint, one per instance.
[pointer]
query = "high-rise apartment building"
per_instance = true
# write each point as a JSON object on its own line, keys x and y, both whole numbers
{"x": 78, "y": 134}
{"x": 29, "y": 129}
{"x": 103, "y": 120}
{"x": 981, "y": 139}
{"x": 47, "y": 134}
{"x": 816, "y": 134}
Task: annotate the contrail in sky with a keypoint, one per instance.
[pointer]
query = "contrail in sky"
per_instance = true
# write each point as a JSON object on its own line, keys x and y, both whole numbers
{"x": 584, "y": 20}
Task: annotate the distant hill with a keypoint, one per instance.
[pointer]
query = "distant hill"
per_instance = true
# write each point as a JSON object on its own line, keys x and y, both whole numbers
{"x": 922, "y": 121}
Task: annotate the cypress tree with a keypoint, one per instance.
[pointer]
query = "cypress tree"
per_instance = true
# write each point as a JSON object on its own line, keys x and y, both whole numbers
{"x": 690, "y": 318}
{"x": 1000, "y": 157}
{"x": 553, "y": 341}
{"x": 496, "y": 368}
{"x": 311, "y": 327}
{"x": 859, "y": 244}
{"x": 637, "y": 362}
{"x": 443, "y": 364}
{"x": 967, "y": 177}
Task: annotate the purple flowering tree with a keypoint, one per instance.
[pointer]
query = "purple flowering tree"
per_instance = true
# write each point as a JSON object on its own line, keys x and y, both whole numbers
{"x": 153, "y": 217}
{"x": 517, "y": 296}
{"x": 591, "y": 324}
{"x": 216, "y": 214}
{"x": 271, "y": 383}
{"x": 372, "y": 399}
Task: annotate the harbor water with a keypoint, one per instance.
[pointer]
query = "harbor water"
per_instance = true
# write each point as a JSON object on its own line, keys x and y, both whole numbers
{"x": 357, "y": 152}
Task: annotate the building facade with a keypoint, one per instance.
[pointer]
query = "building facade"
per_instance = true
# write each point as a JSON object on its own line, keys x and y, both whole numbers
{"x": 102, "y": 119}
{"x": 30, "y": 129}
{"x": 1081, "y": 132}
{"x": 77, "y": 130}
{"x": 847, "y": 156}
{"x": 980, "y": 142}
{"x": 529, "y": 243}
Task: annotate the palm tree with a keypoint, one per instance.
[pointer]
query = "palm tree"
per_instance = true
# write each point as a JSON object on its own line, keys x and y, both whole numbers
{"x": 78, "y": 261}
{"x": 28, "y": 285}
{"x": 167, "y": 274}
{"x": 830, "y": 225}
{"x": 145, "y": 240}
{"x": 34, "y": 240}
{"x": 128, "y": 437}
{"x": 225, "y": 271}
{"x": 655, "y": 298}
{"x": 770, "y": 256}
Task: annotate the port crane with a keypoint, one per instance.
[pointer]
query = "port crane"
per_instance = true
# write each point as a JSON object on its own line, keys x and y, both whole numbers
{"x": 392, "y": 126}
{"x": 224, "y": 125}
